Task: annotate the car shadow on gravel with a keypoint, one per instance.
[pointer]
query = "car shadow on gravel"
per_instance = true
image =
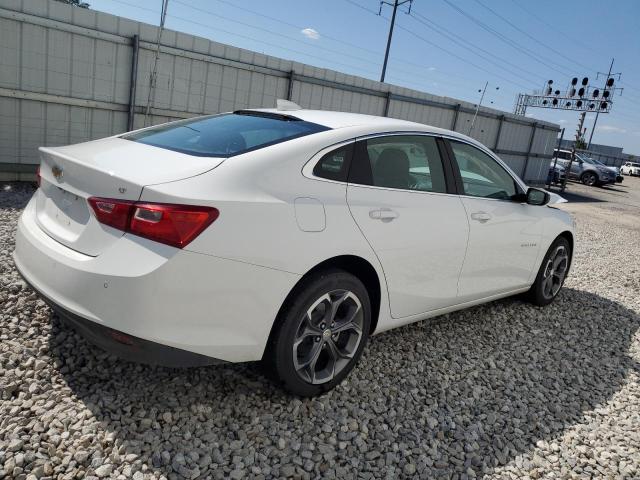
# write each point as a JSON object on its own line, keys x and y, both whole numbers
{"x": 469, "y": 390}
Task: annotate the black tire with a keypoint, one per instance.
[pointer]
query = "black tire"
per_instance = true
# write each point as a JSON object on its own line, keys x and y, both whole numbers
{"x": 589, "y": 178}
{"x": 279, "y": 358}
{"x": 538, "y": 294}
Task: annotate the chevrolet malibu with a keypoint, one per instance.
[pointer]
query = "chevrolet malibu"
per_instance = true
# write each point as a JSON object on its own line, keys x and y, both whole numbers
{"x": 285, "y": 235}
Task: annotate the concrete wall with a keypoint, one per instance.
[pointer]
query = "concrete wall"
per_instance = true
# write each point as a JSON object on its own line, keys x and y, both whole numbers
{"x": 66, "y": 76}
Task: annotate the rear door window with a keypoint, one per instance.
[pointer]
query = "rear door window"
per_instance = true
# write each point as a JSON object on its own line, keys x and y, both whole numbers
{"x": 405, "y": 162}
{"x": 225, "y": 135}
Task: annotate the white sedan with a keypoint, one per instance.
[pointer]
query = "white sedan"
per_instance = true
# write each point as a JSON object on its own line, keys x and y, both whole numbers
{"x": 282, "y": 235}
{"x": 630, "y": 168}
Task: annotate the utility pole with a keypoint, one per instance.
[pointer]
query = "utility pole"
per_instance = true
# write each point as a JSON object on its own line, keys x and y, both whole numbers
{"x": 579, "y": 133}
{"x": 395, "y": 5}
{"x": 475, "y": 114}
{"x": 593, "y": 129}
{"x": 154, "y": 73}
{"x": 484, "y": 90}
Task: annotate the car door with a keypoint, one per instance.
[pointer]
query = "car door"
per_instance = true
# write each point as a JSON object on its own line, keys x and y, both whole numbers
{"x": 504, "y": 235}
{"x": 402, "y": 201}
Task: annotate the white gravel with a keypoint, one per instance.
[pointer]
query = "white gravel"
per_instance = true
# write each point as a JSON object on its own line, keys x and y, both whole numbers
{"x": 505, "y": 390}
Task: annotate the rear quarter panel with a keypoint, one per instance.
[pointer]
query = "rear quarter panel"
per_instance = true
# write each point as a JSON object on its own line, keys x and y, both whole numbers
{"x": 256, "y": 195}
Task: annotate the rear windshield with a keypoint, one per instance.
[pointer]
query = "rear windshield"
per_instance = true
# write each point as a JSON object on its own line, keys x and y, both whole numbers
{"x": 227, "y": 134}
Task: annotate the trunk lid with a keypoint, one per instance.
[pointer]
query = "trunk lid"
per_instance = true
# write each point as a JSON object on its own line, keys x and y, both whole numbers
{"x": 112, "y": 168}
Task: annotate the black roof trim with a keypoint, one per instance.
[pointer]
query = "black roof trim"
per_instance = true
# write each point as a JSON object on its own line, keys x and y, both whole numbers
{"x": 275, "y": 116}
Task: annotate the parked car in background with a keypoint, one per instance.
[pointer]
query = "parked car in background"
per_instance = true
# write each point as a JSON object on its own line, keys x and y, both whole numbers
{"x": 615, "y": 170}
{"x": 282, "y": 235}
{"x": 556, "y": 173}
{"x": 585, "y": 169}
{"x": 631, "y": 169}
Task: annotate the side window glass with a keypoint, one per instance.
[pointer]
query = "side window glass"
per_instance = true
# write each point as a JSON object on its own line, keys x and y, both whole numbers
{"x": 334, "y": 165}
{"x": 481, "y": 175}
{"x": 405, "y": 162}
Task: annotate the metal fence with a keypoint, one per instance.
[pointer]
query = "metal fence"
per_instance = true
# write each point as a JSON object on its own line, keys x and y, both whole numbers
{"x": 69, "y": 74}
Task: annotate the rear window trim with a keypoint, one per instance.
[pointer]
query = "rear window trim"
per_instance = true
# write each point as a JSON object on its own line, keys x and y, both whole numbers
{"x": 321, "y": 128}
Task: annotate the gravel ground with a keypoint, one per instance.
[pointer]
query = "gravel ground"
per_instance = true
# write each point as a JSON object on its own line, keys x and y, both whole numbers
{"x": 504, "y": 390}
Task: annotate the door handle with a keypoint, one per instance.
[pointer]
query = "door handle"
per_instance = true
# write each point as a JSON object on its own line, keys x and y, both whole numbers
{"x": 383, "y": 214}
{"x": 481, "y": 217}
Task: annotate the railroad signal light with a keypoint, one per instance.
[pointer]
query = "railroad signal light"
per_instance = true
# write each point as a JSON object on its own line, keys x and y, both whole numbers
{"x": 545, "y": 102}
{"x": 592, "y": 106}
{"x": 555, "y": 101}
{"x": 574, "y": 81}
{"x": 596, "y": 92}
{"x": 572, "y": 92}
{"x": 605, "y": 94}
{"x": 549, "y": 90}
{"x": 610, "y": 82}
{"x": 603, "y": 106}
{"x": 581, "y": 92}
{"x": 585, "y": 81}
{"x": 579, "y": 103}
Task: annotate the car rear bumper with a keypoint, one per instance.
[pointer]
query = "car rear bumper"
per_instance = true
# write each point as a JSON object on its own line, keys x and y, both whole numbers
{"x": 126, "y": 346}
{"x": 213, "y": 307}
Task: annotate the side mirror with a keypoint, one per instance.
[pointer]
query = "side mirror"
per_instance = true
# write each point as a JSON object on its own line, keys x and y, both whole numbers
{"x": 535, "y": 196}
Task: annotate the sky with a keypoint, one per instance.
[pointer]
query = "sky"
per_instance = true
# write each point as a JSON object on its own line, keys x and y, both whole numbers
{"x": 444, "y": 47}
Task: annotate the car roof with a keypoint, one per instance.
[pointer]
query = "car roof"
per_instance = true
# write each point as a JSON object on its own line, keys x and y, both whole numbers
{"x": 333, "y": 119}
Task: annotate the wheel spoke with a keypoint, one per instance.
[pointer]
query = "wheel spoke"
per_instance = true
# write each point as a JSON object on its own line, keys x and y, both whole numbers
{"x": 308, "y": 366}
{"x": 335, "y": 305}
{"x": 560, "y": 257}
{"x": 305, "y": 331}
{"x": 547, "y": 285}
{"x": 336, "y": 352}
{"x": 350, "y": 323}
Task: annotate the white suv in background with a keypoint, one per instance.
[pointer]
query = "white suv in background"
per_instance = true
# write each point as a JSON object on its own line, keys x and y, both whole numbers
{"x": 630, "y": 168}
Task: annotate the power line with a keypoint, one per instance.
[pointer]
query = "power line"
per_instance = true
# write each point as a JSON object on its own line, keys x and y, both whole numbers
{"x": 288, "y": 37}
{"x": 557, "y": 30}
{"x": 262, "y": 42}
{"x": 466, "y": 61}
{"x": 282, "y": 22}
{"x": 512, "y": 43}
{"x": 342, "y": 42}
{"x": 440, "y": 47}
{"x": 457, "y": 39}
{"x": 533, "y": 38}
{"x": 370, "y": 73}
{"x": 361, "y": 7}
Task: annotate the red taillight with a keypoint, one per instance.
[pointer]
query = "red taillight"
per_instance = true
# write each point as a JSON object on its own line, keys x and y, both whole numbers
{"x": 114, "y": 213}
{"x": 175, "y": 225}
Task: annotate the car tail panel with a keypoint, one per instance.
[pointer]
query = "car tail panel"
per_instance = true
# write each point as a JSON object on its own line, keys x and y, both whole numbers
{"x": 110, "y": 168}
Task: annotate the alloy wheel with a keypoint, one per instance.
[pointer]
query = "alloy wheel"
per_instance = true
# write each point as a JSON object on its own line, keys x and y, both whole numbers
{"x": 555, "y": 272}
{"x": 328, "y": 336}
{"x": 589, "y": 179}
